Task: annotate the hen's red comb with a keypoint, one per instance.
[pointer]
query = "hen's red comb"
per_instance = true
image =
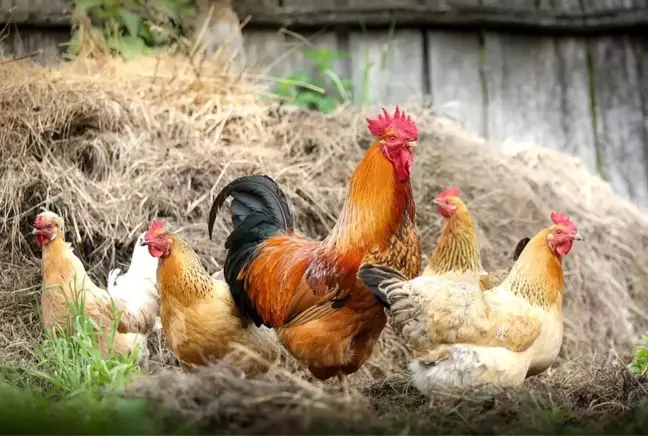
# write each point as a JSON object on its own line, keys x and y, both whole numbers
{"x": 560, "y": 218}
{"x": 39, "y": 221}
{"x": 399, "y": 121}
{"x": 155, "y": 226}
{"x": 449, "y": 192}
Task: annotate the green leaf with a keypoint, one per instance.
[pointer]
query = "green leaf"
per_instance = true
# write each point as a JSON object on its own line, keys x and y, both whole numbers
{"x": 308, "y": 99}
{"x": 86, "y": 5}
{"x": 284, "y": 90}
{"x": 326, "y": 104}
{"x": 131, "y": 21}
{"x": 322, "y": 57}
{"x": 300, "y": 76}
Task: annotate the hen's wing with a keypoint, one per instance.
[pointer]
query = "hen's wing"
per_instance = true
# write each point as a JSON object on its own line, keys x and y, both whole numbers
{"x": 431, "y": 311}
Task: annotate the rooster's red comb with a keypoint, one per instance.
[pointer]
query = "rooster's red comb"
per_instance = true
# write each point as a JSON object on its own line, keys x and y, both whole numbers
{"x": 399, "y": 121}
{"x": 155, "y": 226}
{"x": 560, "y": 218}
{"x": 449, "y": 192}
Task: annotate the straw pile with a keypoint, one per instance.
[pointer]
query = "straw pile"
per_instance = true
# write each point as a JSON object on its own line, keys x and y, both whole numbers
{"x": 109, "y": 146}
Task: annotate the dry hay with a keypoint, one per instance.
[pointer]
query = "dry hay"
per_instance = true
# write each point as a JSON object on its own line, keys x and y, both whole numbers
{"x": 109, "y": 146}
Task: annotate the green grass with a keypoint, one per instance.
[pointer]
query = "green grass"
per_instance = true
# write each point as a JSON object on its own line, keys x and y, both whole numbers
{"x": 73, "y": 389}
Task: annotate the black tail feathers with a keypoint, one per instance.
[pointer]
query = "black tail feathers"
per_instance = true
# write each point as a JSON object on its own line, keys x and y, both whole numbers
{"x": 520, "y": 248}
{"x": 259, "y": 210}
{"x": 253, "y": 194}
{"x": 376, "y": 277}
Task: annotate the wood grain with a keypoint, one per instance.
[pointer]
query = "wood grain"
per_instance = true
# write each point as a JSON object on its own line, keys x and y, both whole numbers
{"x": 621, "y": 121}
{"x": 394, "y": 68}
{"x": 455, "y": 81}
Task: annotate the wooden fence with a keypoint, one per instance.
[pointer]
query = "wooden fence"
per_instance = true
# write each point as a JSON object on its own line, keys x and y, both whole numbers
{"x": 575, "y": 79}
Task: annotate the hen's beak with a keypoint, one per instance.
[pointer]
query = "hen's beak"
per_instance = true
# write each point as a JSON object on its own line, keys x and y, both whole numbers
{"x": 577, "y": 237}
{"x": 411, "y": 144}
{"x": 144, "y": 243}
{"x": 36, "y": 231}
{"x": 435, "y": 201}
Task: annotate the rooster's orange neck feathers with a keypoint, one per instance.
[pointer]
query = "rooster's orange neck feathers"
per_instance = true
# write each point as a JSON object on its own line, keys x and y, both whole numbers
{"x": 375, "y": 205}
{"x": 537, "y": 275}
{"x": 457, "y": 248}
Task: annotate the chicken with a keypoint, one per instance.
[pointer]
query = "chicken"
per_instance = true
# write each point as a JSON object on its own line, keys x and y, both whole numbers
{"x": 199, "y": 318}
{"x": 308, "y": 289}
{"x": 138, "y": 287}
{"x": 65, "y": 279}
{"x": 456, "y": 255}
{"x": 464, "y": 338}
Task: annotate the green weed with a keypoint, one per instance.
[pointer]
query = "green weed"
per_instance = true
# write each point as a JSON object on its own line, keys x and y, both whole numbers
{"x": 640, "y": 364}
{"x": 134, "y": 27}
{"x": 69, "y": 361}
{"x": 320, "y": 89}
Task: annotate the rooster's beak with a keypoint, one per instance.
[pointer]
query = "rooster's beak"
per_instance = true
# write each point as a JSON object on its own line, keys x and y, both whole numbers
{"x": 578, "y": 237}
{"x": 36, "y": 231}
{"x": 411, "y": 144}
{"x": 144, "y": 243}
{"x": 435, "y": 201}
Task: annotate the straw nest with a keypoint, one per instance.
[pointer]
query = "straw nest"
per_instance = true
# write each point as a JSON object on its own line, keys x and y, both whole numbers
{"x": 109, "y": 146}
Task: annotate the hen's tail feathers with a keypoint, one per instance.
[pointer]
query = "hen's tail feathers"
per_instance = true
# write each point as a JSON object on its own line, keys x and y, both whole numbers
{"x": 378, "y": 277}
{"x": 520, "y": 248}
{"x": 259, "y": 210}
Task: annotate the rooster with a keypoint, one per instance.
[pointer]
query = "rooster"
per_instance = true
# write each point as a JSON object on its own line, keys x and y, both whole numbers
{"x": 308, "y": 289}
{"x": 496, "y": 337}
{"x": 65, "y": 280}
{"x": 138, "y": 286}
{"x": 201, "y": 323}
{"x": 456, "y": 254}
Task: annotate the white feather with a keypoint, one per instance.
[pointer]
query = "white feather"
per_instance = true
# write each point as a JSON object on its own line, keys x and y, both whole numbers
{"x": 138, "y": 286}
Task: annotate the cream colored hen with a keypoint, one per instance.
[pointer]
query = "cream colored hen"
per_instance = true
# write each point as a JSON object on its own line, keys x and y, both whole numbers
{"x": 65, "y": 279}
{"x": 463, "y": 337}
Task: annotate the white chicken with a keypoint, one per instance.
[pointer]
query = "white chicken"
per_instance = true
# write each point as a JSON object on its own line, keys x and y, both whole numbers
{"x": 138, "y": 286}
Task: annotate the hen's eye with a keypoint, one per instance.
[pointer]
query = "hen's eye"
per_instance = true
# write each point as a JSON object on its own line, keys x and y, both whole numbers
{"x": 558, "y": 232}
{"x": 392, "y": 138}
{"x": 160, "y": 237}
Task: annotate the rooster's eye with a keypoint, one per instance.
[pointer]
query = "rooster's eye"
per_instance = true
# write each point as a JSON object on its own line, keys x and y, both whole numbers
{"x": 159, "y": 237}
{"x": 392, "y": 138}
{"x": 558, "y": 232}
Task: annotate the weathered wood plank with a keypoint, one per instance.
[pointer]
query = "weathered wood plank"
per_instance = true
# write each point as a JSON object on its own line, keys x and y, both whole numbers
{"x": 621, "y": 124}
{"x": 266, "y": 52}
{"x": 556, "y": 15}
{"x": 342, "y": 4}
{"x": 533, "y": 97}
{"x": 37, "y": 12}
{"x": 522, "y": 90}
{"x": 455, "y": 80}
{"x": 548, "y": 15}
{"x": 512, "y": 5}
{"x": 49, "y": 41}
{"x": 576, "y": 104}
{"x": 385, "y": 72}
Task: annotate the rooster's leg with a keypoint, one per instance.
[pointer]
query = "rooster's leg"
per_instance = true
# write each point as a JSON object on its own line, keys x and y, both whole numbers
{"x": 345, "y": 386}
